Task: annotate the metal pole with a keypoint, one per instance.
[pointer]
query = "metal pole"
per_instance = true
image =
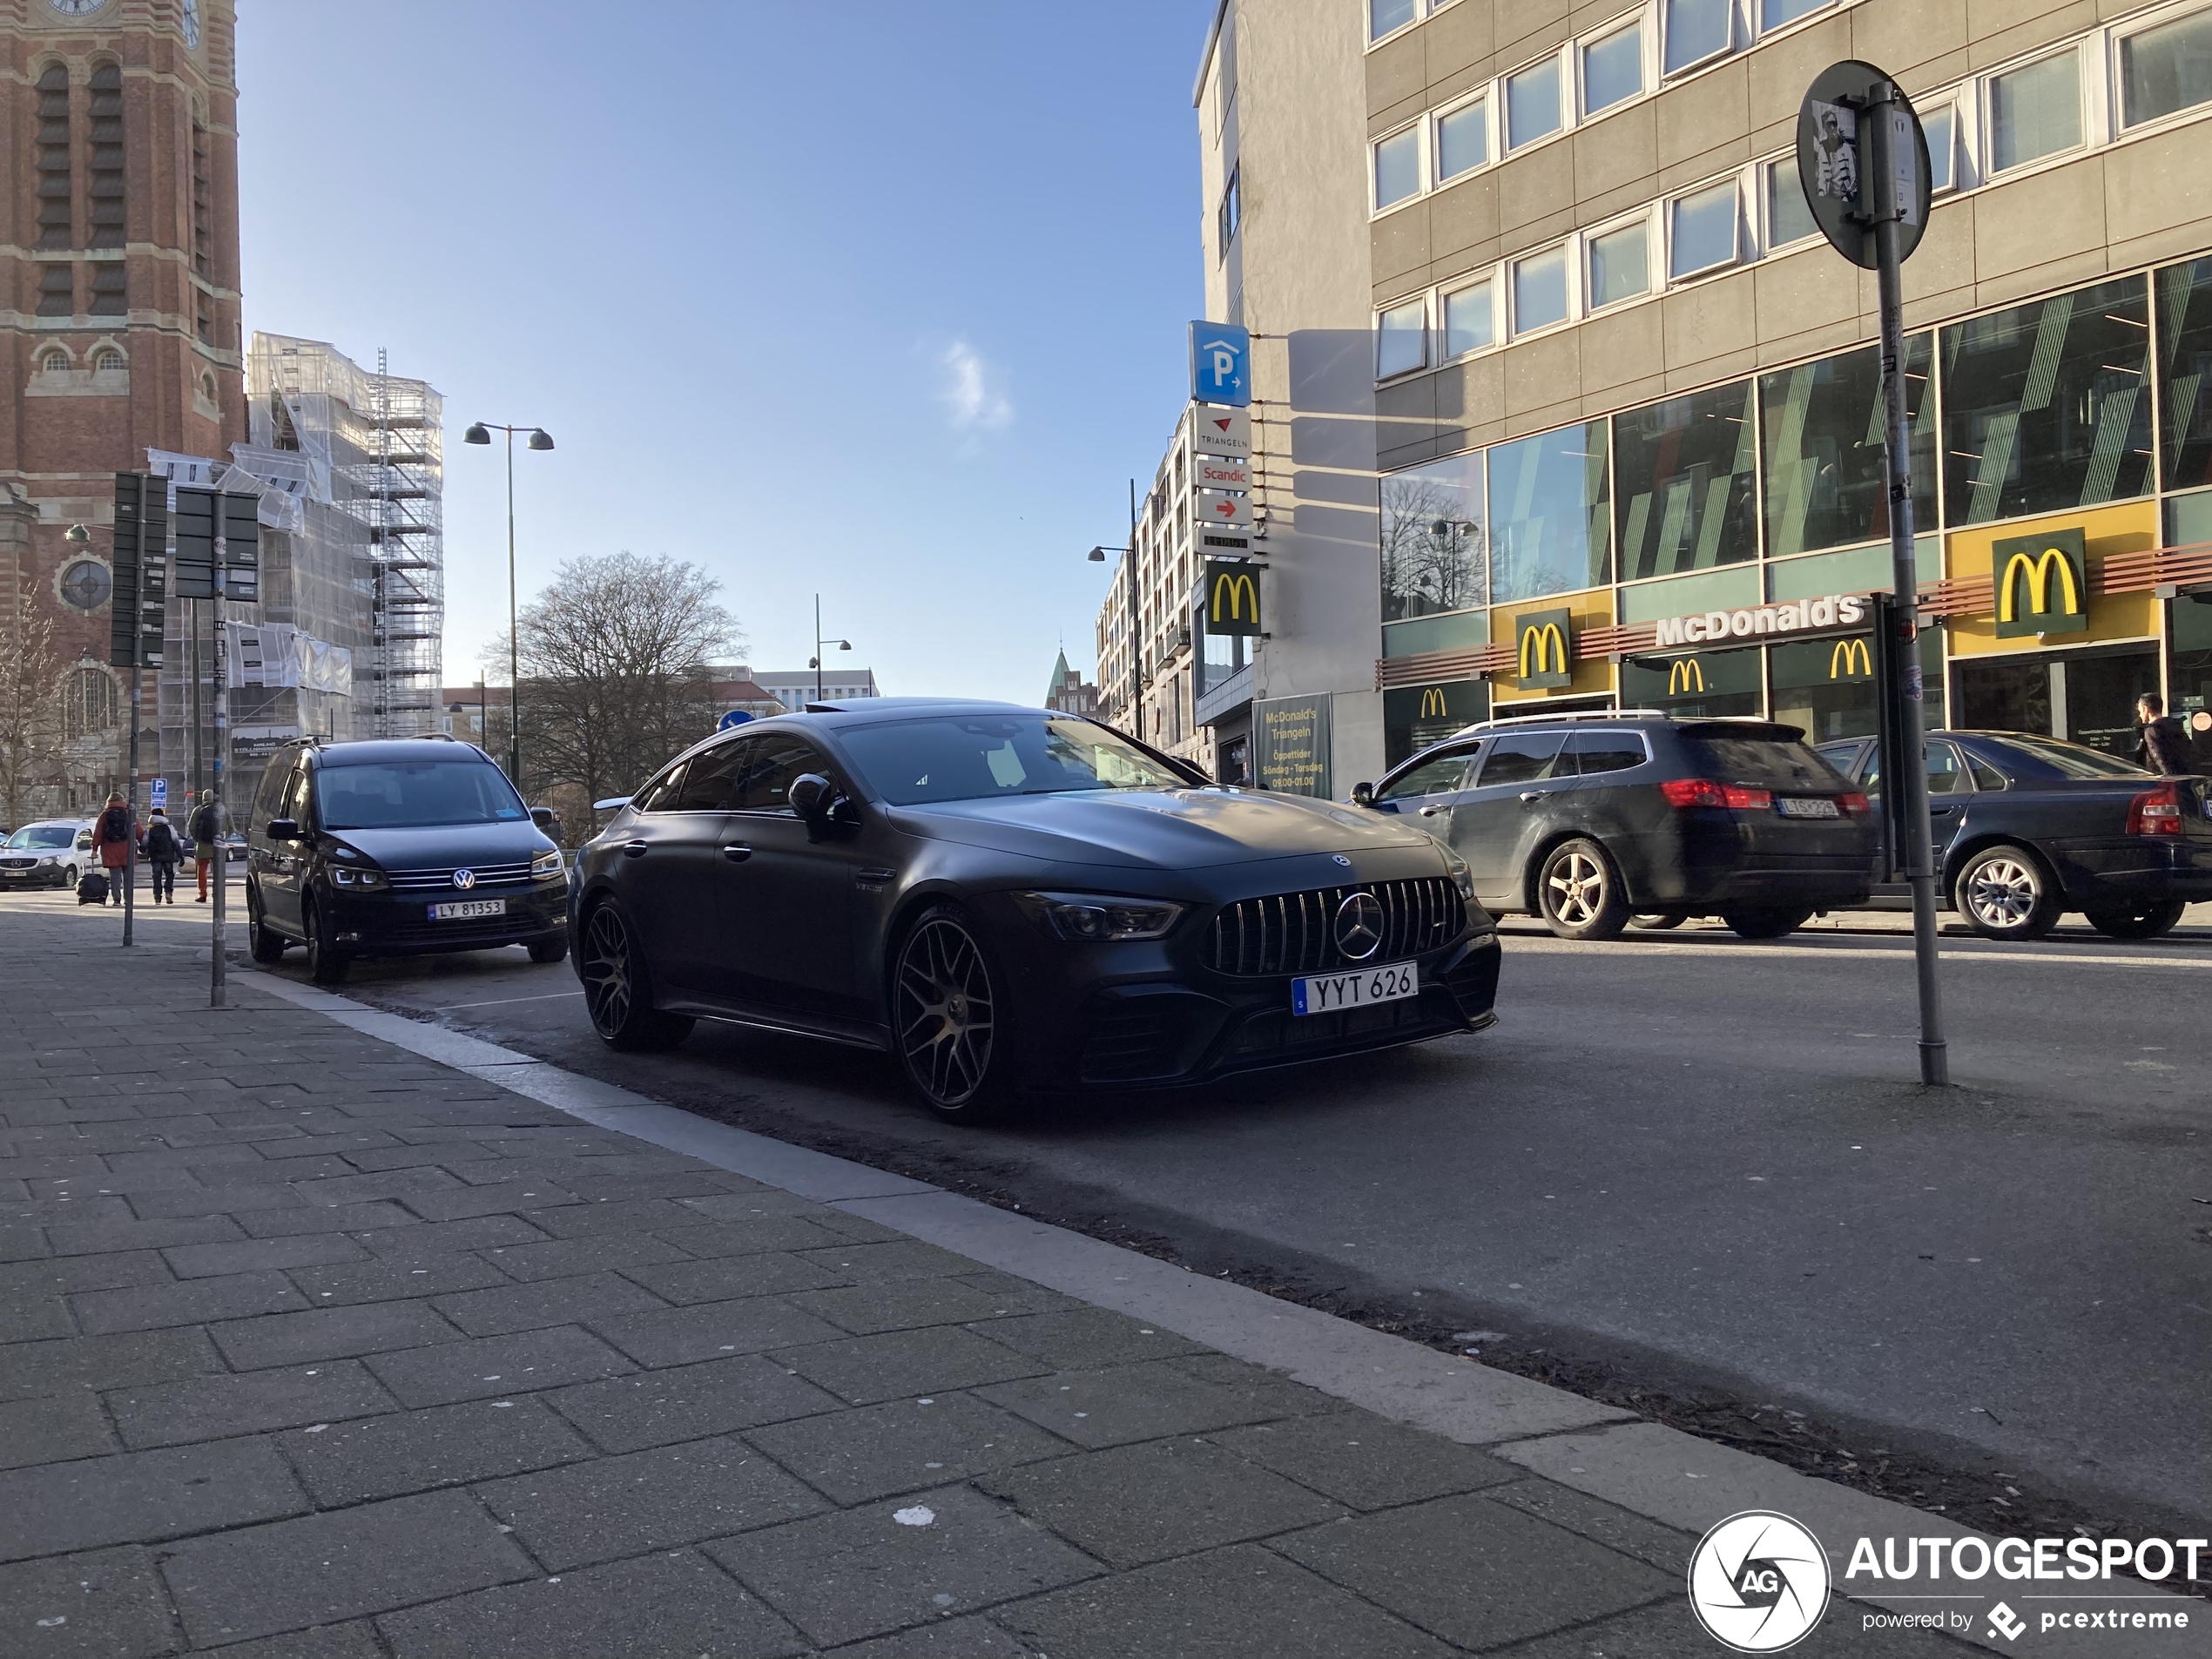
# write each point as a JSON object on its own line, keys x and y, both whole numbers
{"x": 198, "y": 767}
{"x": 818, "y": 648}
{"x": 1911, "y": 777}
{"x": 218, "y": 952}
{"x": 514, "y": 639}
{"x": 138, "y": 681}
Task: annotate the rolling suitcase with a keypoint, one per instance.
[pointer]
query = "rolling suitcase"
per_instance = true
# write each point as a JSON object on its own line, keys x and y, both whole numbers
{"x": 91, "y": 888}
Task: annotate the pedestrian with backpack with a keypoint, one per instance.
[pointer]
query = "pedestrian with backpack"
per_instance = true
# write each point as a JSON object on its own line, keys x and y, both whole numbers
{"x": 114, "y": 838}
{"x": 164, "y": 851}
{"x": 205, "y": 829}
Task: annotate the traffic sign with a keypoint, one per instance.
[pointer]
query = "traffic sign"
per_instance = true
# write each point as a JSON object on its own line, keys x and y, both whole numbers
{"x": 159, "y": 800}
{"x": 1837, "y": 155}
{"x": 1222, "y": 432}
{"x": 1221, "y": 357}
{"x": 734, "y": 717}
{"x": 1211, "y": 507}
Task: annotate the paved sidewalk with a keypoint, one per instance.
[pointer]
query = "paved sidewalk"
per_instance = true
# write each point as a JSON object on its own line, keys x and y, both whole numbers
{"x": 310, "y": 1345}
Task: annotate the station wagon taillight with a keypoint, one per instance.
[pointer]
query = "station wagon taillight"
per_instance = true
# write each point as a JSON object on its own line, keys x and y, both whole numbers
{"x": 1684, "y": 793}
{"x": 1854, "y": 803}
{"x": 2156, "y": 811}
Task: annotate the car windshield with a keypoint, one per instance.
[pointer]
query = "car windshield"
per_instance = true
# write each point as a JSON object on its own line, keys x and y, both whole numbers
{"x": 2067, "y": 759}
{"x": 1763, "y": 762}
{"x": 984, "y": 756}
{"x": 414, "y": 794}
{"x": 43, "y": 838}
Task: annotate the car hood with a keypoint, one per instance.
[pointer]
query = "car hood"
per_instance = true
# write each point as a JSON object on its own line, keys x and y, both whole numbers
{"x": 1180, "y": 829}
{"x": 446, "y": 847}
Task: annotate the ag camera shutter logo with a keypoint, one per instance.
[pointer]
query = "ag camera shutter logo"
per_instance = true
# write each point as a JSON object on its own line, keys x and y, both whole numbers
{"x": 1758, "y": 1581}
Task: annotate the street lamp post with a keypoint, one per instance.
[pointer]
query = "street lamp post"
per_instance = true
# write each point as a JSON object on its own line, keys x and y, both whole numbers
{"x": 815, "y": 661}
{"x": 539, "y": 439}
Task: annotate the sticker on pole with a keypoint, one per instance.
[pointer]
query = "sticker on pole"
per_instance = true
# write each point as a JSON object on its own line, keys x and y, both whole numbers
{"x": 1846, "y": 140}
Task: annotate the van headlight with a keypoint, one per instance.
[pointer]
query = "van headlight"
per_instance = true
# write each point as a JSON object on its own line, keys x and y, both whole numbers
{"x": 357, "y": 878}
{"x": 1098, "y": 919}
{"x": 1462, "y": 878}
{"x": 548, "y": 864}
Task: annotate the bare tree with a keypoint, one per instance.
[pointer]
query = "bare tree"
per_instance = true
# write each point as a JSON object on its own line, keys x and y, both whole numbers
{"x": 614, "y": 663}
{"x": 1434, "y": 555}
{"x": 31, "y": 711}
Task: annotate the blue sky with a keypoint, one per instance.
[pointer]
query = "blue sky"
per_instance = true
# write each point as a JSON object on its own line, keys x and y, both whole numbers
{"x": 881, "y": 299}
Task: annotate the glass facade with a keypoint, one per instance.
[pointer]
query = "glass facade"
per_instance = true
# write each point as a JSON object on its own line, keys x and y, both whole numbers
{"x": 1549, "y": 518}
{"x": 1686, "y": 471}
{"x": 1825, "y": 467}
{"x": 1435, "y": 545}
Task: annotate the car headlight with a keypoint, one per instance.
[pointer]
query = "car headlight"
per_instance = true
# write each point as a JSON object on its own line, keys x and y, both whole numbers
{"x": 1462, "y": 878}
{"x": 1096, "y": 919}
{"x": 548, "y": 864}
{"x": 346, "y": 877}
{"x": 48, "y": 859}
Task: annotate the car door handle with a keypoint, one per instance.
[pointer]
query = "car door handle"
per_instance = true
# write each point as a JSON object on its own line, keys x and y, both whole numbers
{"x": 1528, "y": 795}
{"x": 634, "y": 849}
{"x": 1939, "y": 812}
{"x": 1434, "y": 812}
{"x": 737, "y": 852}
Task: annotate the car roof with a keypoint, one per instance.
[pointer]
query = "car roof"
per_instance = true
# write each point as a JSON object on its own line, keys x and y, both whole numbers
{"x": 876, "y": 707}
{"x": 365, "y": 752}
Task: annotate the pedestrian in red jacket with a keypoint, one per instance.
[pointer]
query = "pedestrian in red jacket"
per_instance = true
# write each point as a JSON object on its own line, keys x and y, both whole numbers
{"x": 114, "y": 838}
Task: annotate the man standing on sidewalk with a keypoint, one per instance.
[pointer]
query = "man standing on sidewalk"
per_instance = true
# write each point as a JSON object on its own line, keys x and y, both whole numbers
{"x": 164, "y": 852}
{"x": 112, "y": 838}
{"x": 2163, "y": 746}
{"x": 207, "y": 831}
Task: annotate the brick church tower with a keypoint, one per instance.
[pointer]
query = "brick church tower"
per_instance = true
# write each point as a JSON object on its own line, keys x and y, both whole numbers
{"x": 120, "y": 330}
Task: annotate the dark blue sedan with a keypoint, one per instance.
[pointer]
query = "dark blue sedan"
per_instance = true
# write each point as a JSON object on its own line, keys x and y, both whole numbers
{"x": 2029, "y": 828}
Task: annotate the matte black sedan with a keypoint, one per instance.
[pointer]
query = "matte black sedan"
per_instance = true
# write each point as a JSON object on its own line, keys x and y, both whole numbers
{"x": 2028, "y": 827}
{"x": 1012, "y": 900}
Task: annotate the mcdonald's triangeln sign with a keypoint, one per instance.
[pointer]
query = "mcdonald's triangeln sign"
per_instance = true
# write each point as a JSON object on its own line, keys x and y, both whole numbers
{"x": 1232, "y": 597}
{"x": 2042, "y": 583}
{"x": 1544, "y": 654}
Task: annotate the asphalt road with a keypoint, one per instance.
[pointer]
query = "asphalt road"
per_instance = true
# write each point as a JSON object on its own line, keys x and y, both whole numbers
{"x": 1681, "y": 1163}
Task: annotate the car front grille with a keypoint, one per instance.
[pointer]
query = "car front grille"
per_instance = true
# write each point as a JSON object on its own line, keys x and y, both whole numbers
{"x": 488, "y": 875}
{"x": 19, "y": 864}
{"x": 1295, "y": 933}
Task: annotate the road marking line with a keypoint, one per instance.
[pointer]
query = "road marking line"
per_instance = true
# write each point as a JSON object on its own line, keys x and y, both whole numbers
{"x": 1566, "y": 947}
{"x": 549, "y": 996}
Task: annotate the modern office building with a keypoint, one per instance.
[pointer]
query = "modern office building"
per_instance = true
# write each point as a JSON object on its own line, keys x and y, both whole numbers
{"x": 795, "y": 689}
{"x": 1628, "y": 437}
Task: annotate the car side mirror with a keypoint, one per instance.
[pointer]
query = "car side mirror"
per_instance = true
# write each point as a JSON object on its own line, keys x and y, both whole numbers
{"x": 810, "y": 794}
{"x": 1363, "y": 794}
{"x": 284, "y": 829}
{"x": 543, "y": 817}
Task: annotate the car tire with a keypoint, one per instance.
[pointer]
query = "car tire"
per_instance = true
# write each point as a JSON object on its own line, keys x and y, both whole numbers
{"x": 1765, "y": 923}
{"x": 1578, "y": 892}
{"x": 1655, "y": 924}
{"x": 2145, "y": 922}
{"x": 549, "y": 950}
{"x": 2005, "y": 892}
{"x": 327, "y": 964}
{"x": 945, "y": 1019}
{"x": 619, "y": 987}
{"x": 267, "y": 945}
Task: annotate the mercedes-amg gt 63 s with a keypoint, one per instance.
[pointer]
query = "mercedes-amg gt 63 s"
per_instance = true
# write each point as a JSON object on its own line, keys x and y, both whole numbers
{"x": 1015, "y": 903}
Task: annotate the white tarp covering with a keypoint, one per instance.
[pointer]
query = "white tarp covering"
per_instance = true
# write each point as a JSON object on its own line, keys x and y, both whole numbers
{"x": 276, "y": 654}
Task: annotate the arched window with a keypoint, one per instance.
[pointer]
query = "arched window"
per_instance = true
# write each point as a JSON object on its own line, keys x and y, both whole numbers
{"x": 106, "y": 169}
{"x": 89, "y": 703}
{"x": 55, "y": 225}
{"x": 207, "y": 385}
{"x": 55, "y": 362}
{"x": 108, "y": 360}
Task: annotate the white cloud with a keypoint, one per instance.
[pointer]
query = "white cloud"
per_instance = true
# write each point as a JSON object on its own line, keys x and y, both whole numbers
{"x": 974, "y": 391}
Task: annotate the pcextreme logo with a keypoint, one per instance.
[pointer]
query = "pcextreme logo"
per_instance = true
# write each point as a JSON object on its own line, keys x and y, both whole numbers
{"x": 1758, "y": 1581}
{"x": 1232, "y": 599}
{"x": 1432, "y": 705}
{"x": 1545, "y": 655}
{"x": 1850, "y": 658}
{"x": 2042, "y": 583}
{"x": 1685, "y": 674}
{"x": 1954, "y": 1565}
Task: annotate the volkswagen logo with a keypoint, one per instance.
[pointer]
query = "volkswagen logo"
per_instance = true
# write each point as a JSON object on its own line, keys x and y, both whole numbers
{"x": 464, "y": 879}
{"x": 1359, "y": 926}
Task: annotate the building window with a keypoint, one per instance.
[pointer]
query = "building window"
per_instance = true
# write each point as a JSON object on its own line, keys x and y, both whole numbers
{"x": 1401, "y": 339}
{"x": 2045, "y": 406}
{"x": 203, "y": 204}
{"x": 55, "y": 362}
{"x": 55, "y": 225}
{"x": 57, "y": 291}
{"x": 2166, "y": 70}
{"x": 1231, "y": 213}
{"x": 1435, "y": 549}
{"x": 1612, "y": 69}
{"x": 1531, "y": 104}
{"x": 1469, "y": 319}
{"x": 86, "y": 585}
{"x": 108, "y": 360}
{"x": 1386, "y": 17}
{"x": 1823, "y": 430}
{"x": 110, "y": 294}
{"x": 106, "y": 171}
{"x": 1462, "y": 140}
{"x": 1775, "y": 13}
{"x": 1549, "y": 524}
{"x": 2185, "y": 354}
{"x": 1705, "y": 232}
{"x": 1398, "y": 167}
{"x": 1706, "y": 684}
{"x": 1942, "y": 125}
{"x": 2035, "y": 112}
{"x": 1685, "y": 483}
{"x": 1696, "y": 30}
{"x": 1619, "y": 263}
{"x": 1540, "y": 291}
{"x": 1787, "y": 217}
{"x": 89, "y": 703}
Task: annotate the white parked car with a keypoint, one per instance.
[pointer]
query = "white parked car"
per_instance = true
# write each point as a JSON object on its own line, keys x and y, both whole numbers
{"x": 52, "y": 853}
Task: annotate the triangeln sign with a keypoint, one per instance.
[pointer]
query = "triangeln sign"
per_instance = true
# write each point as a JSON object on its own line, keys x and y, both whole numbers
{"x": 1216, "y": 431}
{"x": 1806, "y": 615}
{"x": 2042, "y": 583}
{"x": 1544, "y": 656}
{"x": 1231, "y": 598}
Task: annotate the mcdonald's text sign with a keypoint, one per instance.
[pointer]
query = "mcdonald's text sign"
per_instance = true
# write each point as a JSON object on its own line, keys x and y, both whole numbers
{"x": 1544, "y": 649}
{"x": 2042, "y": 583}
{"x": 1804, "y": 616}
{"x": 1231, "y": 598}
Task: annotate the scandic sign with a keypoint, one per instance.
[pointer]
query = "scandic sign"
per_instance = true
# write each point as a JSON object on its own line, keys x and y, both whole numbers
{"x": 1836, "y": 610}
{"x": 1210, "y": 474}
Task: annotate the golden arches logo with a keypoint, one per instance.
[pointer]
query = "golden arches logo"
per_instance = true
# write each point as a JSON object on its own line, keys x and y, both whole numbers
{"x": 1850, "y": 658}
{"x": 1433, "y": 706}
{"x": 1685, "y": 674}
{"x": 1543, "y": 651}
{"x": 2034, "y": 576}
{"x": 1236, "y": 598}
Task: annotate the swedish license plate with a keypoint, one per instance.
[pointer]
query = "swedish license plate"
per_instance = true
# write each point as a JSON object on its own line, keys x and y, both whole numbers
{"x": 1326, "y": 992}
{"x": 1806, "y": 806}
{"x": 466, "y": 908}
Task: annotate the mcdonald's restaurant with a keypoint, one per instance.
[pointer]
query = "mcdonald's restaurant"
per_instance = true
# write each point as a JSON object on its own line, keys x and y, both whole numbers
{"x": 1711, "y": 554}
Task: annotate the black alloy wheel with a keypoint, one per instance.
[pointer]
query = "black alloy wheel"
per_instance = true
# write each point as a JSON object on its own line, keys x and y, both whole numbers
{"x": 1578, "y": 892}
{"x": 2139, "y": 921}
{"x": 1765, "y": 922}
{"x": 618, "y": 991}
{"x": 267, "y": 945}
{"x": 944, "y": 1012}
{"x": 2005, "y": 893}
{"x": 327, "y": 964}
{"x": 549, "y": 950}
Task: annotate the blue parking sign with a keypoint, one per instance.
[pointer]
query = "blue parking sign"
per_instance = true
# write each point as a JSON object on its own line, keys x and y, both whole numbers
{"x": 1221, "y": 355}
{"x": 160, "y": 800}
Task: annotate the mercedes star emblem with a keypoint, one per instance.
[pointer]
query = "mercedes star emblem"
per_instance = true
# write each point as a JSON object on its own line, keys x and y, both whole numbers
{"x": 1359, "y": 926}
